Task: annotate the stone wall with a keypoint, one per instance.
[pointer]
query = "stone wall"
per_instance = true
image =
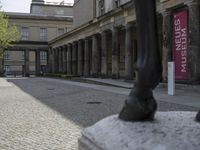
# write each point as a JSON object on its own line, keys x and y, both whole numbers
{"x": 59, "y": 10}
{"x": 34, "y": 23}
{"x": 84, "y": 11}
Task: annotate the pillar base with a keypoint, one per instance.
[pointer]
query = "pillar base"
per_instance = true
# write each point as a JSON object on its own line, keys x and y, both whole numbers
{"x": 95, "y": 75}
{"x": 104, "y": 76}
{"x": 167, "y": 132}
{"x": 27, "y": 75}
{"x": 129, "y": 78}
{"x": 115, "y": 76}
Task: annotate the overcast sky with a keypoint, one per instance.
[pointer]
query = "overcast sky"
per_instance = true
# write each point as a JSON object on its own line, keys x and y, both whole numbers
{"x": 22, "y": 5}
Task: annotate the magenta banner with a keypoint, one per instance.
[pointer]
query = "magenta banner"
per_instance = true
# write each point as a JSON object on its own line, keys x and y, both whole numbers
{"x": 180, "y": 44}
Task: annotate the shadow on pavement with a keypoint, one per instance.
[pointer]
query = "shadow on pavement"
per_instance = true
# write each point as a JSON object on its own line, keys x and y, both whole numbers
{"x": 83, "y": 106}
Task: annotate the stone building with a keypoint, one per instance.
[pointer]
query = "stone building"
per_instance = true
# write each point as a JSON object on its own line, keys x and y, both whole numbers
{"x": 42, "y": 24}
{"x": 104, "y": 40}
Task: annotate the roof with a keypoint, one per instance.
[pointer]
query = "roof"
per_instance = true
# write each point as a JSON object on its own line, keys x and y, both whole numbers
{"x": 16, "y": 15}
{"x": 54, "y": 4}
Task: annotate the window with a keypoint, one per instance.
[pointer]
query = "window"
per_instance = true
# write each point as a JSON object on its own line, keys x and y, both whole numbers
{"x": 7, "y": 68}
{"x": 43, "y": 55}
{"x": 101, "y": 7}
{"x": 60, "y": 31}
{"x": 43, "y": 34}
{"x": 23, "y": 55}
{"x": 6, "y": 55}
{"x": 117, "y": 3}
{"x": 24, "y": 33}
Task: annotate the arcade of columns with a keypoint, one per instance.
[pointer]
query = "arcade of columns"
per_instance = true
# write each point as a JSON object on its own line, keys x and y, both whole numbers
{"x": 37, "y": 62}
{"x": 97, "y": 55}
{"x": 112, "y": 52}
{"x": 26, "y": 63}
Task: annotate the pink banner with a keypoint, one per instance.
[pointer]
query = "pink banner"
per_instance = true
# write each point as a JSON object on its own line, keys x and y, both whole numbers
{"x": 180, "y": 44}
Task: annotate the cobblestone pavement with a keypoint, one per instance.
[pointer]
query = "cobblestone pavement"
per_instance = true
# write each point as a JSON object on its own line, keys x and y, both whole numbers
{"x": 49, "y": 114}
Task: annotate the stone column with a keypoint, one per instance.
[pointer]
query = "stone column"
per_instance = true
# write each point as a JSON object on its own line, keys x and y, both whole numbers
{"x": 74, "y": 58}
{"x": 129, "y": 52}
{"x": 80, "y": 58}
{"x": 64, "y": 58}
{"x": 47, "y": 63}
{"x": 37, "y": 61}
{"x": 104, "y": 60}
{"x": 94, "y": 56}
{"x": 53, "y": 60}
{"x": 26, "y": 62}
{"x": 69, "y": 59}
{"x": 87, "y": 58}
{"x": 49, "y": 60}
{"x": 194, "y": 44}
{"x": 167, "y": 43}
{"x": 56, "y": 60}
{"x": 60, "y": 59}
{"x": 115, "y": 53}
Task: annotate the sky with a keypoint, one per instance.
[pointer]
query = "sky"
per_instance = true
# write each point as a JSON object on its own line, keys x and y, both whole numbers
{"x": 22, "y": 5}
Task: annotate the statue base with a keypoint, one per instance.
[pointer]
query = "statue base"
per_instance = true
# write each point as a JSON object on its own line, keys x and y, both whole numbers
{"x": 169, "y": 130}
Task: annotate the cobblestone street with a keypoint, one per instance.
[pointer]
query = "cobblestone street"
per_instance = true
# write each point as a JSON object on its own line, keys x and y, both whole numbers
{"x": 49, "y": 114}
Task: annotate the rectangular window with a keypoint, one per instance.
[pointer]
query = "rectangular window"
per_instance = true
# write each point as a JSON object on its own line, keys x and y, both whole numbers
{"x": 24, "y": 33}
{"x": 117, "y": 3}
{"x": 60, "y": 31}
{"x": 7, "y": 68}
{"x": 43, "y": 34}
{"x": 23, "y": 55}
{"x": 43, "y": 55}
{"x": 6, "y": 55}
{"x": 101, "y": 7}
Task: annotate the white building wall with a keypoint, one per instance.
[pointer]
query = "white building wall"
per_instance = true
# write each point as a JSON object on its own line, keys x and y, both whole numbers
{"x": 109, "y": 5}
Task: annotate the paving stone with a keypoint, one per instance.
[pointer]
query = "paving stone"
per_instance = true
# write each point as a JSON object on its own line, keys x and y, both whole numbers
{"x": 40, "y": 113}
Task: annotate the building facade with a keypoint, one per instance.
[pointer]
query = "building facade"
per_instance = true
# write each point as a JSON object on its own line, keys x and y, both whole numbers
{"x": 105, "y": 43}
{"x": 29, "y": 55}
{"x": 51, "y": 8}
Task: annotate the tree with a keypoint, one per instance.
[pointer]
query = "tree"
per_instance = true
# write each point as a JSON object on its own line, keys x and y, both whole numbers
{"x": 8, "y": 35}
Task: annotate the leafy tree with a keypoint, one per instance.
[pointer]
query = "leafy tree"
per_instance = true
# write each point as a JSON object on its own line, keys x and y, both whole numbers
{"x": 8, "y": 35}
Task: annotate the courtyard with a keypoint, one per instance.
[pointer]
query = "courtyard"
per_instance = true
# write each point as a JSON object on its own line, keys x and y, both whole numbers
{"x": 45, "y": 113}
